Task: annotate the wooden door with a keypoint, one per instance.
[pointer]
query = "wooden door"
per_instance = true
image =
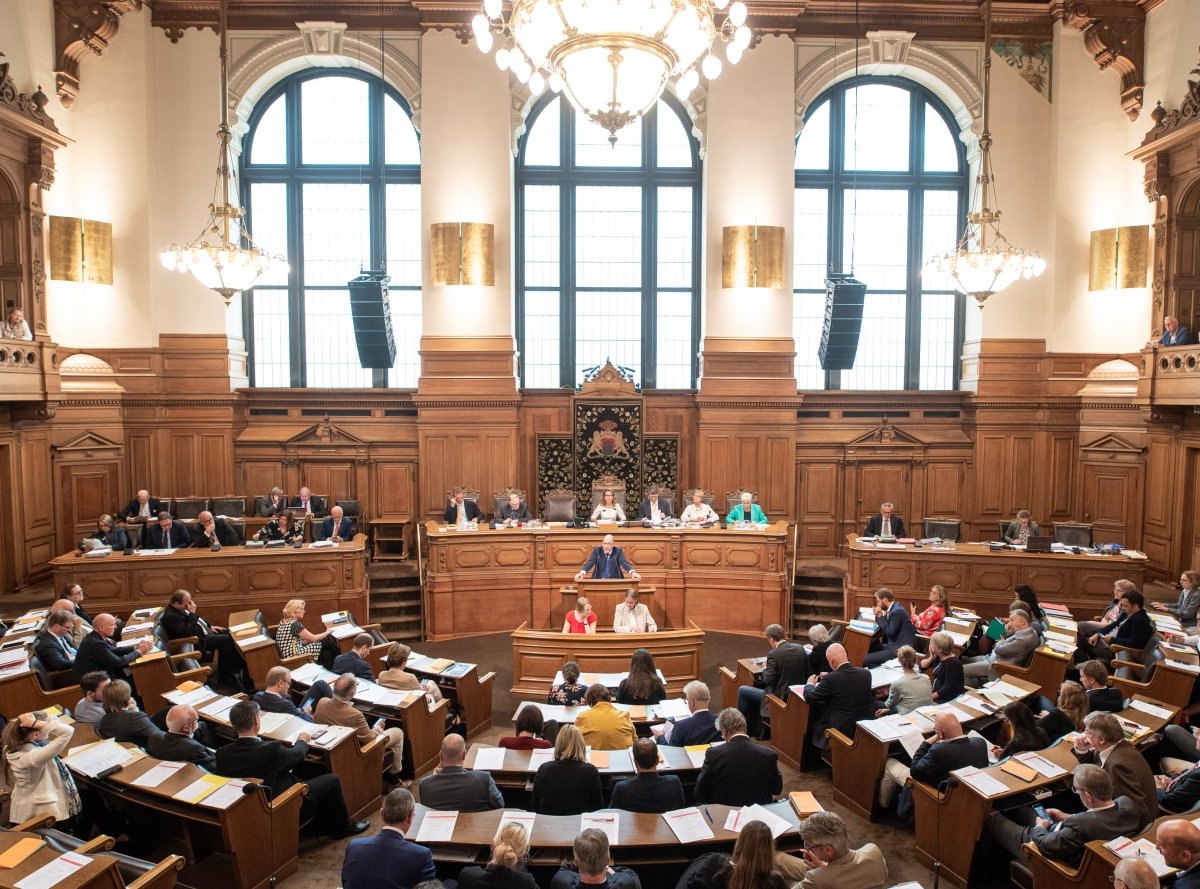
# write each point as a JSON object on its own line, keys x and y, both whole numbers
{"x": 88, "y": 491}
{"x": 8, "y": 564}
{"x": 1189, "y": 549}
{"x": 1112, "y": 496}
{"x": 882, "y": 482}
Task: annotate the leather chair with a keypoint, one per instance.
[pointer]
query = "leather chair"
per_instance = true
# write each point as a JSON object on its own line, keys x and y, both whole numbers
{"x": 230, "y": 507}
{"x": 1073, "y": 533}
{"x": 351, "y": 510}
{"x": 610, "y": 483}
{"x": 560, "y": 506}
{"x": 134, "y": 533}
{"x": 666, "y": 497}
{"x": 947, "y": 529}
{"x": 500, "y": 499}
{"x": 706, "y": 497}
{"x": 1001, "y": 530}
{"x": 50, "y": 680}
{"x": 187, "y": 509}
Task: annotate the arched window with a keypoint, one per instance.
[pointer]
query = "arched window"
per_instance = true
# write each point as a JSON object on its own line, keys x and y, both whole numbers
{"x": 881, "y": 186}
{"x": 608, "y": 258}
{"x": 331, "y": 172}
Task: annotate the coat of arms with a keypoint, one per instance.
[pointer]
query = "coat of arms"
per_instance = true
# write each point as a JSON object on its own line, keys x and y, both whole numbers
{"x": 608, "y": 441}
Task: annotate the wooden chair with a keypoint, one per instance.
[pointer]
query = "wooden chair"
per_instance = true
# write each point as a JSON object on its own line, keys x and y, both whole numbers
{"x": 1167, "y": 683}
{"x": 733, "y": 498}
{"x": 156, "y": 675}
{"x": 500, "y": 499}
{"x": 1036, "y": 871}
{"x": 610, "y": 483}
{"x": 137, "y": 873}
{"x": 706, "y": 497}
{"x": 1046, "y": 668}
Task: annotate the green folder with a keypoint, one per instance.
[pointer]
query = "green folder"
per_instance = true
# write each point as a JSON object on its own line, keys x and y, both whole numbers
{"x": 995, "y": 629}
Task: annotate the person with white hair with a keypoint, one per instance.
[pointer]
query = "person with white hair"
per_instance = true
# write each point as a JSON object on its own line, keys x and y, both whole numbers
{"x": 830, "y": 862}
{"x": 1134, "y": 873}
{"x": 738, "y": 772}
{"x": 699, "y": 728}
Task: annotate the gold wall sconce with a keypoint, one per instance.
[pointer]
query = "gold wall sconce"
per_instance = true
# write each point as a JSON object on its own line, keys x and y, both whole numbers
{"x": 463, "y": 253}
{"x": 80, "y": 250}
{"x": 752, "y": 256}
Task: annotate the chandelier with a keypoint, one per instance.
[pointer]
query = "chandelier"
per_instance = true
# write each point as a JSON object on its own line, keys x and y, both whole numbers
{"x": 984, "y": 262}
{"x": 612, "y": 58}
{"x": 223, "y": 257}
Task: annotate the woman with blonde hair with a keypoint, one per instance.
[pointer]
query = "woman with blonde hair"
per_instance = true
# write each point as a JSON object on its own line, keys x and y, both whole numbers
{"x": 582, "y": 619}
{"x": 1067, "y": 715}
{"x": 930, "y": 620}
{"x": 506, "y": 868}
{"x": 910, "y": 690}
{"x": 39, "y": 782}
{"x": 569, "y": 784}
{"x": 751, "y": 866}
{"x": 292, "y": 639}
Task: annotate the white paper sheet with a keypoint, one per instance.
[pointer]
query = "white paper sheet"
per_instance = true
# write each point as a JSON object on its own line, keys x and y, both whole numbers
{"x": 689, "y": 825}
{"x": 538, "y": 757}
{"x": 195, "y": 696}
{"x": 55, "y": 872}
{"x": 437, "y": 827}
{"x": 98, "y": 757}
{"x": 158, "y": 774}
{"x": 516, "y": 816}
{"x": 992, "y": 758}
{"x": 308, "y": 673}
{"x": 739, "y": 818}
{"x": 1146, "y": 707}
{"x": 911, "y": 742}
{"x": 676, "y": 707}
{"x": 609, "y": 822}
{"x": 981, "y": 781}
{"x": 1041, "y": 765}
{"x": 219, "y": 709}
{"x": 226, "y": 796}
{"x": 155, "y": 552}
{"x": 1143, "y": 849}
{"x": 489, "y": 758}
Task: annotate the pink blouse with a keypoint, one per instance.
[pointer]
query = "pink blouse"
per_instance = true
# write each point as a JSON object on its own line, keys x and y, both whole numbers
{"x": 580, "y": 626}
{"x": 930, "y": 620}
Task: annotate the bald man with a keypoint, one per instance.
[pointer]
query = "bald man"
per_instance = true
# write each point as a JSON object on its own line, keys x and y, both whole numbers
{"x": 844, "y": 694}
{"x": 939, "y": 755}
{"x": 98, "y": 651}
{"x": 336, "y": 526}
{"x": 210, "y": 532}
{"x": 142, "y": 508}
{"x": 1178, "y": 841}
{"x": 452, "y": 787}
{"x": 1134, "y": 873}
{"x": 79, "y": 628}
{"x": 177, "y": 743}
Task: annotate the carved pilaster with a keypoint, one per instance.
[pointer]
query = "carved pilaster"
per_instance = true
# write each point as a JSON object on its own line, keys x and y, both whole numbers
{"x": 1114, "y": 32}
{"x": 80, "y": 27}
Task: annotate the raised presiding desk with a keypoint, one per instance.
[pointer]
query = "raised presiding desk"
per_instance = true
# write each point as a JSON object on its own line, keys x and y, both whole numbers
{"x": 981, "y": 578}
{"x": 491, "y": 581}
{"x": 328, "y": 578}
{"x": 538, "y": 656}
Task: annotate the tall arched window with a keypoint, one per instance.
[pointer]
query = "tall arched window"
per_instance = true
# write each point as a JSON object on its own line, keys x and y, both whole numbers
{"x": 331, "y": 172}
{"x": 608, "y": 248}
{"x": 881, "y": 185}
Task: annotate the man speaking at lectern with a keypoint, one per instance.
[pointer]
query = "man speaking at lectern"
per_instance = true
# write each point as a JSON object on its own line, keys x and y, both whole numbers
{"x": 607, "y": 562}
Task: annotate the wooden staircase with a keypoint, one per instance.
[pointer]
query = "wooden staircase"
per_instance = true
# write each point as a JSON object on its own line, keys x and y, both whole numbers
{"x": 816, "y": 594}
{"x": 396, "y": 599}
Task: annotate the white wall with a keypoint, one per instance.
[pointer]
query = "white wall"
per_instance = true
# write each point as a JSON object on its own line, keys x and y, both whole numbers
{"x": 750, "y": 180}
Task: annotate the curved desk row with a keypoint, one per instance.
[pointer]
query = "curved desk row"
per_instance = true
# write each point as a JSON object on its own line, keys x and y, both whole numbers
{"x": 491, "y": 581}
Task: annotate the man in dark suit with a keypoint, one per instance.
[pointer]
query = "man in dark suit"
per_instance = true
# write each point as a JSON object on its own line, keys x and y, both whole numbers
{"x": 452, "y": 787}
{"x": 699, "y": 728}
{"x": 180, "y": 620}
{"x": 388, "y": 860}
{"x": 53, "y": 647}
{"x": 460, "y": 509}
{"x": 142, "y": 508}
{"x": 272, "y": 503}
{"x": 97, "y": 651}
{"x": 593, "y": 866}
{"x": 253, "y": 757}
{"x": 209, "y": 530}
{"x": 1103, "y": 743}
{"x": 895, "y": 625}
{"x": 608, "y": 562}
{"x": 355, "y": 660}
{"x": 1093, "y": 676}
{"x": 844, "y": 695}
{"x": 648, "y": 791}
{"x": 935, "y": 759}
{"x": 176, "y": 744}
{"x": 1179, "y": 792}
{"x": 1179, "y": 842}
{"x": 654, "y": 508}
{"x": 786, "y": 664}
{"x": 1133, "y": 630}
{"x": 307, "y": 503}
{"x": 885, "y": 524}
{"x": 274, "y": 697}
{"x": 335, "y": 527}
{"x": 513, "y": 513}
{"x": 1063, "y": 836}
{"x": 166, "y": 533}
{"x": 739, "y": 772}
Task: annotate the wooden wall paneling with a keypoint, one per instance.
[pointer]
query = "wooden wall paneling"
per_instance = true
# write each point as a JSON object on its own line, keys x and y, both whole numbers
{"x": 216, "y": 465}
{"x": 991, "y": 454}
{"x": 259, "y": 476}
{"x": 35, "y": 511}
{"x": 1167, "y": 482}
{"x": 780, "y": 473}
{"x": 818, "y": 489}
{"x": 184, "y": 465}
{"x": 86, "y": 491}
{"x": 943, "y": 491}
{"x": 1060, "y": 492}
{"x": 1020, "y": 468}
{"x": 9, "y": 562}
{"x": 882, "y": 482}
{"x": 328, "y": 478}
{"x": 395, "y": 488}
{"x": 141, "y": 467}
{"x": 1112, "y": 502}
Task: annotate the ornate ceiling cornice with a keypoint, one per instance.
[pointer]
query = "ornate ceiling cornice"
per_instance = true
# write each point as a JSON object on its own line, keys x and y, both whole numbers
{"x": 80, "y": 27}
{"x": 1114, "y": 32}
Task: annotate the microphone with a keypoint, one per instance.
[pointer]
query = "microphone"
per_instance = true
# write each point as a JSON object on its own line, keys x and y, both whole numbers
{"x": 251, "y": 788}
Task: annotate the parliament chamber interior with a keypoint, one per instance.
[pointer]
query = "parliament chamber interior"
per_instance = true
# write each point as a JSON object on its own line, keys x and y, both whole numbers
{"x": 624, "y": 443}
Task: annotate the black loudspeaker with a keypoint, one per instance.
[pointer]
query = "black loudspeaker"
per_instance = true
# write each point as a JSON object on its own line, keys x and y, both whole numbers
{"x": 372, "y": 316}
{"x": 844, "y": 297}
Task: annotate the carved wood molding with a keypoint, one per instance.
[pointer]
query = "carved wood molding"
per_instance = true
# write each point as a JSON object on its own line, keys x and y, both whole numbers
{"x": 80, "y": 27}
{"x": 1114, "y": 32}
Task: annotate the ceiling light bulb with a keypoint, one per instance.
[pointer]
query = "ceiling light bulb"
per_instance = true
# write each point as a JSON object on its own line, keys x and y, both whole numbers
{"x": 737, "y": 13}
{"x": 491, "y": 8}
{"x": 537, "y": 83}
{"x": 733, "y": 52}
{"x": 484, "y": 42}
{"x": 742, "y": 37}
{"x": 479, "y": 24}
{"x": 711, "y": 66}
{"x": 502, "y": 59}
{"x": 555, "y": 82}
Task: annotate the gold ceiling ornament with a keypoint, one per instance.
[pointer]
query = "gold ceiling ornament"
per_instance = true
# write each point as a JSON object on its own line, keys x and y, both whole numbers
{"x": 752, "y": 256}
{"x": 224, "y": 257}
{"x": 462, "y": 253}
{"x": 984, "y": 263}
{"x": 613, "y": 58}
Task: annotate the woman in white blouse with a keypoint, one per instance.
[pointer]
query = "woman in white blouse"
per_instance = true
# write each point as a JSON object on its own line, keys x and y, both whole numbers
{"x": 698, "y": 512}
{"x": 40, "y": 783}
{"x": 608, "y": 510}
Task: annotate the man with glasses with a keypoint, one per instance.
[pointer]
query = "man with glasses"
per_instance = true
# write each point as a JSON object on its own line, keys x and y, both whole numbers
{"x": 830, "y": 862}
{"x": 1062, "y": 836}
{"x": 1178, "y": 840}
{"x": 1103, "y": 743}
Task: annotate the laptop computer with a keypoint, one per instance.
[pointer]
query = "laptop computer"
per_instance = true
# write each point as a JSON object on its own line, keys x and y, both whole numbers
{"x": 1038, "y": 544}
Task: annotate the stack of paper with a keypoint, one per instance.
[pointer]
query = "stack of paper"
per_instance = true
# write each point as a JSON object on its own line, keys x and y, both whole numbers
{"x": 739, "y": 818}
{"x": 96, "y": 758}
{"x": 489, "y": 759}
{"x": 1042, "y": 765}
{"x": 538, "y": 757}
{"x": 1153, "y": 710}
{"x": 158, "y": 774}
{"x": 201, "y": 788}
{"x": 675, "y": 707}
{"x": 61, "y": 868}
{"x": 689, "y": 825}
{"x": 696, "y": 754}
{"x": 1143, "y": 849}
{"x": 981, "y": 781}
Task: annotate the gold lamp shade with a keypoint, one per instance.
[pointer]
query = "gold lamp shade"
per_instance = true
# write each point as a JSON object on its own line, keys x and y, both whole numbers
{"x": 462, "y": 253}
{"x": 1119, "y": 258}
{"x": 80, "y": 250}
{"x": 752, "y": 256}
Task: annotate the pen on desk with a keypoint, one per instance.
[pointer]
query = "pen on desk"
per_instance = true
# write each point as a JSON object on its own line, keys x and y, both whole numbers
{"x": 709, "y": 815}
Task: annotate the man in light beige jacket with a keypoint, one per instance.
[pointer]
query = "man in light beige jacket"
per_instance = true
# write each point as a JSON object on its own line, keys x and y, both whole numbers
{"x": 829, "y": 862}
{"x": 339, "y": 710}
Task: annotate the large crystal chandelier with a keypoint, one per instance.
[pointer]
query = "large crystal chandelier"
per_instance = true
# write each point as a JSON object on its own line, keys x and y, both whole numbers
{"x": 984, "y": 262}
{"x": 223, "y": 257}
{"x": 612, "y": 58}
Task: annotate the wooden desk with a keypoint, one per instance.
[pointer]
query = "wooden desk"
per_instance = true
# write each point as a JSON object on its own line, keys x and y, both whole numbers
{"x": 856, "y": 642}
{"x": 327, "y": 578}
{"x": 606, "y": 596}
{"x": 471, "y": 692}
{"x": 983, "y": 580}
{"x": 949, "y": 824}
{"x": 517, "y": 772}
{"x": 100, "y": 872}
{"x": 696, "y": 573}
{"x": 539, "y": 654}
{"x": 642, "y": 839}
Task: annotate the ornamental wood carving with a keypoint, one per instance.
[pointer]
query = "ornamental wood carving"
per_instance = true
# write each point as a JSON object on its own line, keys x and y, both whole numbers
{"x": 1114, "y": 32}
{"x": 80, "y": 27}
